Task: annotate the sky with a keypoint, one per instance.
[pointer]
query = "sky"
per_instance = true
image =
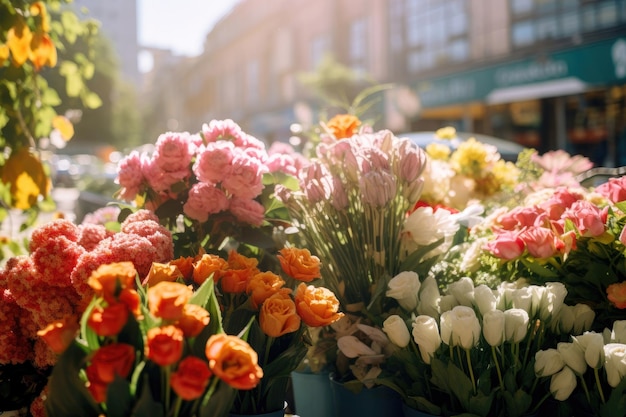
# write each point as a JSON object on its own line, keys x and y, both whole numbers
{"x": 179, "y": 25}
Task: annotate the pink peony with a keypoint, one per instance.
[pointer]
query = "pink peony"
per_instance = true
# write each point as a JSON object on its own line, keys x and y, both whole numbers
{"x": 245, "y": 180}
{"x": 614, "y": 189}
{"x": 506, "y": 245}
{"x": 204, "y": 199}
{"x": 247, "y": 211}
{"x": 223, "y": 130}
{"x": 213, "y": 163}
{"x": 282, "y": 163}
{"x": 173, "y": 153}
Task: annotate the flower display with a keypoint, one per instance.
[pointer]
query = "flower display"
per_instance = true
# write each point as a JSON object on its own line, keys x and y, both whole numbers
{"x": 483, "y": 351}
{"x": 208, "y": 187}
{"x": 167, "y": 353}
{"x": 275, "y": 311}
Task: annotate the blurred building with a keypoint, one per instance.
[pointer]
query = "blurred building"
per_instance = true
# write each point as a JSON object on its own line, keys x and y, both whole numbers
{"x": 545, "y": 73}
{"x": 118, "y": 20}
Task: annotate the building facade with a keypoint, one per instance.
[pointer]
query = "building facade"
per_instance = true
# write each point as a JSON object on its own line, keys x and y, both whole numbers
{"x": 549, "y": 74}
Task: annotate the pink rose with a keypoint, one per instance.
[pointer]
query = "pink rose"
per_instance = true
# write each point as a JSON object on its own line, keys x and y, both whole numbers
{"x": 226, "y": 130}
{"x": 173, "y": 152}
{"x": 247, "y": 211}
{"x": 204, "y": 199}
{"x": 281, "y": 163}
{"x": 245, "y": 179}
{"x": 213, "y": 163}
{"x": 561, "y": 200}
{"x": 614, "y": 189}
{"x": 521, "y": 217}
{"x": 589, "y": 219}
{"x": 130, "y": 175}
{"x": 506, "y": 245}
{"x": 540, "y": 242}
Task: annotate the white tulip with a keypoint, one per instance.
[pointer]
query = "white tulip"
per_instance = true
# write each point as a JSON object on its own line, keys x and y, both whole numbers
{"x": 463, "y": 291}
{"x": 548, "y": 362}
{"x": 426, "y": 336}
{"x": 583, "y": 318}
{"x": 353, "y": 347}
{"x": 396, "y": 330}
{"x": 618, "y": 333}
{"x": 552, "y": 302}
{"x": 563, "y": 322}
{"x": 447, "y": 302}
{"x": 592, "y": 345}
{"x": 562, "y": 384}
{"x": 573, "y": 356}
{"x": 523, "y": 298}
{"x": 538, "y": 292}
{"x": 615, "y": 363}
{"x": 429, "y": 298}
{"x": 445, "y": 324}
{"x": 493, "y": 327}
{"x": 465, "y": 327}
{"x": 505, "y": 292}
{"x": 484, "y": 299}
{"x": 405, "y": 287}
{"x": 515, "y": 324}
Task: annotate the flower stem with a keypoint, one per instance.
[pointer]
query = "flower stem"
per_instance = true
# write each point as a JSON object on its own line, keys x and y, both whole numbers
{"x": 495, "y": 360}
{"x": 598, "y": 385}
{"x": 165, "y": 385}
{"x": 584, "y": 384}
{"x": 471, "y": 371}
{"x": 177, "y": 404}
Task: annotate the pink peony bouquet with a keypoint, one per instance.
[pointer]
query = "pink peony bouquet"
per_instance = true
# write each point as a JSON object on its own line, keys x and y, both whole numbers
{"x": 209, "y": 188}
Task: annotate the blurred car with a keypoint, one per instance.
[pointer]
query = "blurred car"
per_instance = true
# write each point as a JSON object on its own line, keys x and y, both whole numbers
{"x": 508, "y": 150}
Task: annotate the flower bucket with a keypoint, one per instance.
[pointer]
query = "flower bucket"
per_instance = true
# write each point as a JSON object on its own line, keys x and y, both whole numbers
{"x": 379, "y": 401}
{"x": 312, "y": 394}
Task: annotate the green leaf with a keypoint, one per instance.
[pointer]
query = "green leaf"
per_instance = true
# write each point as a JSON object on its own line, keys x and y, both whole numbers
{"x": 615, "y": 406}
{"x": 145, "y": 405}
{"x": 50, "y": 97}
{"x": 67, "y": 395}
{"x": 221, "y": 401}
{"x": 119, "y": 400}
{"x": 91, "y": 100}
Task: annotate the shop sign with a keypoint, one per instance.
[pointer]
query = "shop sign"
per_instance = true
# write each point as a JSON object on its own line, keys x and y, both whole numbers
{"x": 598, "y": 64}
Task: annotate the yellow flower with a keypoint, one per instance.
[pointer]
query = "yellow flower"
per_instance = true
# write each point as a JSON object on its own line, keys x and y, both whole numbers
{"x": 438, "y": 151}
{"x": 43, "y": 52}
{"x": 18, "y": 40}
{"x": 64, "y": 126}
{"x": 27, "y": 177}
{"x": 38, "y": 8}
{"x": 4, "y": 53}
{"x": 446, "y": 133}
{"x": 506, "y": 173}
{"x": 470, "y": 158}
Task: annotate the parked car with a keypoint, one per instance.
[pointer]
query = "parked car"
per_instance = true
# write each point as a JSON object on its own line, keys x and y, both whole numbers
{"x": 508, "y": 150}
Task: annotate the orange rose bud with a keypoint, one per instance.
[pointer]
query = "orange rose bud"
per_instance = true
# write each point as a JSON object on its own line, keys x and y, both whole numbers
{"x": 109, "y": 320}
{"x": 263, "y": 285}
{"x": 165, "y": 345}
{"x": 193, "y": 320}
{"x": 240, "y": 270}
{"x": 191, "y": 378}
{"x": 167, "y": 299}
{"x": 59, "y": 334}
{"x": 278, "y": 315}
{"x": 616, "y": 293}
{"x": 161, "y": 272}
{"x": 299, "y": 264}
{"x": 131, "y": 299}
{"x": 111, "y": 360}
{"x": 233, "y": 361}
{"x": 184, "y": 265}
{"x": 108, "y": 280}
{"x": 206, "y": 265}
{"x": 343, "y": 125}
{"x": 317, "y": 306}
{"x": 96, "y": 388}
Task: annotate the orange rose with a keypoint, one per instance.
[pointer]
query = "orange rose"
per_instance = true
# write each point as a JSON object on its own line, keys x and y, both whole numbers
{"x": 317, "y": 306}
{"x": 278, "y": 315}
{"x": 167, "y": 299}
{"x": 59, "y": 334}
{"x": 161, "y": 272}
{"x": 343, "y": 125}
{"x": 130, "y": 298}
{"x": 233, "y": 361}
{"x": 616, "y": 294}
{"x": 109, "y": 320}
{"x": 299, "y": 264}
{"x": 208, "y": 264}
{"x": 184, "y": 265}
{"x": 191, "y": 378}
{"x": 107, "y": 280}
{"x": 193, "y": 320}
{"x": 263, "y": 285}
{"x": 164, "y": 345}
{"x": 111, "y": 360}
{"x": 96, "y": 388}
{"x": 240, "y": 270}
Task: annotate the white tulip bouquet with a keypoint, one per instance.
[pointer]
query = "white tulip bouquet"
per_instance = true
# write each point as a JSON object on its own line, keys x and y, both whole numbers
{"x": 473, "y": 350}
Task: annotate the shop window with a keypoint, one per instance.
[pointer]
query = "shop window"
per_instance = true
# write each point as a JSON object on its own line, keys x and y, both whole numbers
{"x": 547, "y": 28}
{"x": 589, "y": 18}
{"x": 320, "y": 45}
{"x": 523, "y": 33}
{"x": 459, "y": 50}
{"x": 570, "y": 23}
{"x": 607, "y": 14}
{"x": 521, "y": 6}
{"x": 396, "y": 13}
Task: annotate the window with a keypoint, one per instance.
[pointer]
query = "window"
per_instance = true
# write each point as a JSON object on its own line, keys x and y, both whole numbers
{"x": 589, "y": 19}
{"x": 252, "y": 82}
{"x": 319, "y": 47}
{"x": 458, "y": 51}
{"x": 570, "y": 24}
{"x": 547, "y": 28}
{"x": 607, "y": 14}
{"x": 358, "y": 40}
{"x": 523, "y": 33}
{"x": 522, "y": 6}
{"x": 396, "y": 13}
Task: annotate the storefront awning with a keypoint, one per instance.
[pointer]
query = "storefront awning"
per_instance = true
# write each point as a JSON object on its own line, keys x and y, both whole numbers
{"x": 546, "y": 89}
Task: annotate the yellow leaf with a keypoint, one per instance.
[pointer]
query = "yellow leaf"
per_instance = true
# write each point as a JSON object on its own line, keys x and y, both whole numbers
{"x": 18, "y": 40}
{"x": 27, "y": 177}
{"x": 42, "y": 51}
{"x": 64, "y": 126}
